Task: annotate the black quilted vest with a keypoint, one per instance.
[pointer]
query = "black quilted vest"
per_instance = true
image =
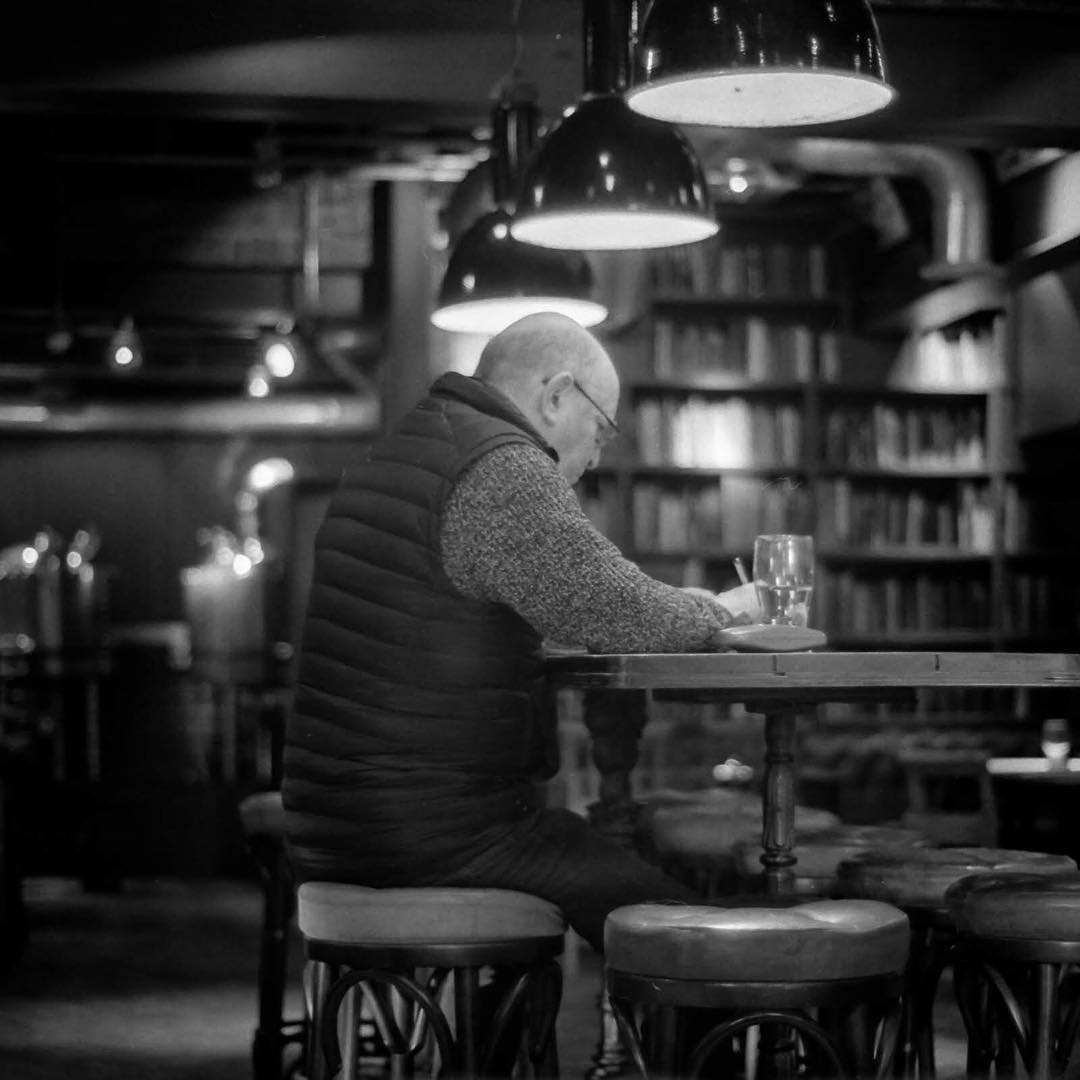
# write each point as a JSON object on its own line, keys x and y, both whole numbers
{"x": 419, "y": 719}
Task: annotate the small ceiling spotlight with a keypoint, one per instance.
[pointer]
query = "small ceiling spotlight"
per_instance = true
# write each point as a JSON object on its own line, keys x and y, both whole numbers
{"x": 124, "y": 351}
{"x": 259, "y": 381}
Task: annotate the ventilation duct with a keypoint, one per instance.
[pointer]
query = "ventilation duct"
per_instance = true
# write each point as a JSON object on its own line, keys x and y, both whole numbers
{"x": 960, "y": 216}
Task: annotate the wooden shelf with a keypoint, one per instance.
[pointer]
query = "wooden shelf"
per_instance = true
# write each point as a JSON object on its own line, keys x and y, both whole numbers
{"x": 902, "y": 393}
{"x": 698, "y": 473}
{"x": 712, "y": 555}
{"x": 790, "y": 307}
{"x": 909, "y": 639}
{"x": 882, "y": 554}
{"x": 904, "y": 475}
{"x": 1046, "y": 555}
{"x": 718, "y": 384}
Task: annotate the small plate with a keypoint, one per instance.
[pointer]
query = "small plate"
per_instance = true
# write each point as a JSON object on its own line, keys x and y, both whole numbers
{"x": 769, "y": 638}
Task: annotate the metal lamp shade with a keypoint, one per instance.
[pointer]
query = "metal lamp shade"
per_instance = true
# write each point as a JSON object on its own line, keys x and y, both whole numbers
{"x": 758, "y": 63}
{"x": 609, "y": 179}
{"x": 493, "y": 280}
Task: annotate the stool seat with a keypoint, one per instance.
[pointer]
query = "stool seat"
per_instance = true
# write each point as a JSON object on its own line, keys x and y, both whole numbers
{"x": 363, "y": 944}
{"x": 263, "y": 814}
{"x": 804, "y": 942}
{"x": 353, "y": 914}
{"x": 1017, "y": 906}
{"x": 920, "y": 877}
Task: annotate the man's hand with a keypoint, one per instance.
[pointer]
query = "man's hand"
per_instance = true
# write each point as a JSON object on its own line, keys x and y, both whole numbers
{"x": 741, "y": 602}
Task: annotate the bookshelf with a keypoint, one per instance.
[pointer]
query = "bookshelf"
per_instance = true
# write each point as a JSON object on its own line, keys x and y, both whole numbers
{"x": 759, "y": 403}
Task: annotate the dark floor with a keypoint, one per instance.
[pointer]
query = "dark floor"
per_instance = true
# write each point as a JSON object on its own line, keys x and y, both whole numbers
{"x": 156, "y": 982}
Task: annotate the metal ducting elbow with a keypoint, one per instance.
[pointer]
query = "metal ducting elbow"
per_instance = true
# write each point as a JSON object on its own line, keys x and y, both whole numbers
{"x": 961, "y": 225}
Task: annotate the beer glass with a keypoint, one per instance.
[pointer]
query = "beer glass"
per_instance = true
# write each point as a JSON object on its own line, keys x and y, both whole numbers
{"x": 784, "y": 577}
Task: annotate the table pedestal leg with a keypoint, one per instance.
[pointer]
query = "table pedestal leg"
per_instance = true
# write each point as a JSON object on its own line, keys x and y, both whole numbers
{"x": 615, "y": 720}
{"x": 778, "y": 824}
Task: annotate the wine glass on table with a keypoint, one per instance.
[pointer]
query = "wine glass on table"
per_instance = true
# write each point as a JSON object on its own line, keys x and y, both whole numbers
{"x": 1055, "y": 743}
{"x": 784, "y": 577}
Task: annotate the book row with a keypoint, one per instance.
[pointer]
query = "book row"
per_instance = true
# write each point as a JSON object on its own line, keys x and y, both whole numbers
{"x": 751, "y": 269}
{"x": 906, "y": 437}
{"x": 856, "y": 603}
{"x": 1035, "y": 603}
{"x": 722, "y": 517}
{"x": 751, "y": 347}
{"x": 698, "y": 432}
{"x": 852, "y": 513}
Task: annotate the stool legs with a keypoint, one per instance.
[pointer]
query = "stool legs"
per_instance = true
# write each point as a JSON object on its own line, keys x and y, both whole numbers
{"x": 931, "y": 954}
{"x": 1028, "y": 1009}
{"x": 788, "y": 1039}
{"x": 406, "y": 1012}
{"x": 273, "y": 1032}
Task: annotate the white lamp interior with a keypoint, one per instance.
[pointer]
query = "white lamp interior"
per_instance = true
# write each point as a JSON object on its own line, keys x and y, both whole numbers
{"x": 611, "y": 230}
{"x": 491, "y": 316}
{"x": 752, "y": 98}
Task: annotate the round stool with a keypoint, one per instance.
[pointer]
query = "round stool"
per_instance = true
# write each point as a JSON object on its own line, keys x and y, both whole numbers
{"x": 800, "y": 972}
{"x": 1021, "y": 932}
{"x": 262, "y": 817}
{"x": 400, "y": 948}
{"x": 916, "y": 881}
{"x": 820, "y": 852}
{"x": 694, "y": 836}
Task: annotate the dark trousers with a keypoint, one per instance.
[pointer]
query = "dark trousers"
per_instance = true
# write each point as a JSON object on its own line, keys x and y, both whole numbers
{"x": 559, "y": 856}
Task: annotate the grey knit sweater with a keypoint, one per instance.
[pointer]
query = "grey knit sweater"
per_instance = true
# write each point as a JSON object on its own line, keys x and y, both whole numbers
{"x": 514, "y": 533}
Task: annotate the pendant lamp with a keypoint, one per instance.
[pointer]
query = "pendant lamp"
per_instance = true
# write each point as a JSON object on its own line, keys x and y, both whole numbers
{"x": 606, "y": 178}
{"x": 758, "y": 63}
{"x": 492, "y": 279}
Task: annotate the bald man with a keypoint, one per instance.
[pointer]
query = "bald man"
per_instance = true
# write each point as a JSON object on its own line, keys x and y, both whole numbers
{"x": 420, "y": 726}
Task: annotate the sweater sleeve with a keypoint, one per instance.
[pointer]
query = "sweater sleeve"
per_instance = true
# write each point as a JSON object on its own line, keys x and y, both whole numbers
{"x": 514, "y": 533}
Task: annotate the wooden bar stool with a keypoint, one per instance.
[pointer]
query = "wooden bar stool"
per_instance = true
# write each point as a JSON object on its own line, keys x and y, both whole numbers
{"x": 916, "y": 881}
{"x": 1021, "y": 932}
{"x": 395, "y": 952}
{"x": 813, "y": 978}
{"x": 262, "y": 816}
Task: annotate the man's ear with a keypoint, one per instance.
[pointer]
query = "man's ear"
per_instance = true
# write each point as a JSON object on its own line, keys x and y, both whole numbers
{"x": 554, "y": 390}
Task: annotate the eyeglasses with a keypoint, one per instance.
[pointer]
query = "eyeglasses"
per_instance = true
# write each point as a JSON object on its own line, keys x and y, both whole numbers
{"x": 589, "y": 398}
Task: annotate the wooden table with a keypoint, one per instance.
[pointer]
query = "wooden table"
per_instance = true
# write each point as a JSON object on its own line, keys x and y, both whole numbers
{"x": 779, "y": 685}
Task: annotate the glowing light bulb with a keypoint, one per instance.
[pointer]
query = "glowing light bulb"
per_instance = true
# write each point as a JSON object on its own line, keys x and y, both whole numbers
{"x": 280, "y": 360}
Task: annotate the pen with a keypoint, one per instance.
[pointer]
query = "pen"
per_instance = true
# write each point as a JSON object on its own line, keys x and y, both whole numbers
{"x": 740, "y": 569}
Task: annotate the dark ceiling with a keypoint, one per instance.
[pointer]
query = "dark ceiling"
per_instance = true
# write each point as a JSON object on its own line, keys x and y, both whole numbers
{"x": 397, "y": 79}
{"x": 180, "y": 93}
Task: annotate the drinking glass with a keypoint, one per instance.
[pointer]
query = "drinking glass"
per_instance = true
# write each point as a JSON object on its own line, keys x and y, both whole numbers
{"x": 784, "y": 577}
{"x": 1055, "y": 742}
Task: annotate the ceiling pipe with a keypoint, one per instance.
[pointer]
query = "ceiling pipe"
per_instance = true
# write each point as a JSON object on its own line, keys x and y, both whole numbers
{"x": 311, "y": 416}
{"x": 960, "y": 213}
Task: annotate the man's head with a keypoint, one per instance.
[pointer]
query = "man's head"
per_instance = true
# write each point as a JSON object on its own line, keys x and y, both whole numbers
{"x": 564, "y": 382}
